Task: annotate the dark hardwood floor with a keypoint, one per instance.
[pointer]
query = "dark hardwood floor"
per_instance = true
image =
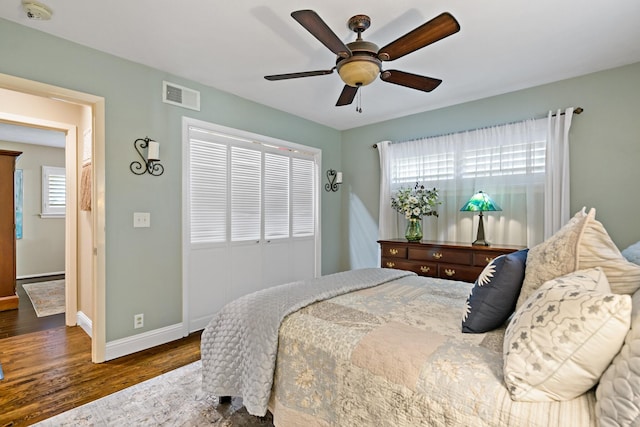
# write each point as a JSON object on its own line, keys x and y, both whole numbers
{"x": 24, "y": 319}
{"x": 48, "y": 370}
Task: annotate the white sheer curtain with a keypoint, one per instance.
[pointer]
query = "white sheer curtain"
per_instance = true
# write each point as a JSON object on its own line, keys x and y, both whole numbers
{"x": 506, "y": 161}
{"x": 556, "y": 192}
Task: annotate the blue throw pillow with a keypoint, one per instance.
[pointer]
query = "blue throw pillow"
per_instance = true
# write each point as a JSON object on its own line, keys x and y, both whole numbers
{"x": 495, "y": 293}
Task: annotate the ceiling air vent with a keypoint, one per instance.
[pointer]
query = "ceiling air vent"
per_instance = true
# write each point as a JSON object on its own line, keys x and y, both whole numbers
{"x": 181, "y": 96}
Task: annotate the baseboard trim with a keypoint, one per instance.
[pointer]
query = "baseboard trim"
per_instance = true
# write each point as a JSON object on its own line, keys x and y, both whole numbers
{"x": 84, "y": 322}
{"x": 31, "y": 276}
{"x": 143, "y": 341}
{"x": 200, "y": 323}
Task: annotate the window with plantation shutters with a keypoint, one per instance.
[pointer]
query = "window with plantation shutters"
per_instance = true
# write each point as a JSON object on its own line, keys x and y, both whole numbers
{"x": 53, "y": 192}
{"x": 243, "y": 191}
{"x": 250, "y": 216}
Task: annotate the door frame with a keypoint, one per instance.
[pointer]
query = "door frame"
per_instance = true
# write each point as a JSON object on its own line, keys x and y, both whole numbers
{"x": 97, "y": 106}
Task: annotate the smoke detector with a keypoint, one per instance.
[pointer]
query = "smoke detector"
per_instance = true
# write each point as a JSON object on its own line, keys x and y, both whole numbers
{"x": 36, "y": 10}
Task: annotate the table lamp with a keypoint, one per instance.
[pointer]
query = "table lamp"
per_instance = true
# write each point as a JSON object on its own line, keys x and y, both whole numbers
{"x": 480, "y": 202}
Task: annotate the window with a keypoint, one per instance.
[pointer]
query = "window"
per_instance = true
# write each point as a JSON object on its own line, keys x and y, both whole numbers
{"x": 53, "y": 192}
{"x": 506, "y": 161}
{"x": 243, "y": 191}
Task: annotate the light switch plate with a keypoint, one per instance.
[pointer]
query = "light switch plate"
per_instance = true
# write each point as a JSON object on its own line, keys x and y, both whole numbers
{"x": 141, "y": 219}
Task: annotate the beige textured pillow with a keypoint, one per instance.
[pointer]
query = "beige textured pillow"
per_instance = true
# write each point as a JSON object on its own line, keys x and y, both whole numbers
{"x": 564, "y": 337}
{"x": 596, "y": 249}
{"x": 554, "y": 257}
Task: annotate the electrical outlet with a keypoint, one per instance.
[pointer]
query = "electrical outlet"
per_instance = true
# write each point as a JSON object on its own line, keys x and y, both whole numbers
{"x": 138, "y": 321}
{"x": 141, "y": 219}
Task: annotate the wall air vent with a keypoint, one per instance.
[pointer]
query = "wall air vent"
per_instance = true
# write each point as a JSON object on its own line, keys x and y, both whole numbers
{"x": 181, "y": 96}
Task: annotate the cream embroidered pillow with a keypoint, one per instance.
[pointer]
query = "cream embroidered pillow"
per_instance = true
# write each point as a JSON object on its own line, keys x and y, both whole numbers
{"x": 552, "y": 258}
{"x": 564, "y": 336}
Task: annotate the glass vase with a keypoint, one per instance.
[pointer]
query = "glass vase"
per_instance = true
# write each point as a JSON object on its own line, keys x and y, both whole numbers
{"x": 414, "y": 230}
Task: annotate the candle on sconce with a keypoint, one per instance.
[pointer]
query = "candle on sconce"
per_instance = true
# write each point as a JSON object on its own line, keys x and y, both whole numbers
{"x": 339, "y": 178}
{"x": 153, "y": 151}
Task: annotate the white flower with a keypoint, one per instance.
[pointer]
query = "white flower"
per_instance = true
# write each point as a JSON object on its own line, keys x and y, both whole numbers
{"x": 416, "y": 202}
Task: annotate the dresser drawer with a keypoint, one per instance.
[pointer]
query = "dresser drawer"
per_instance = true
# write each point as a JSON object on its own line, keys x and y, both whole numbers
{"x": 484, "y": 258}
{"x": 389, "y": 251}
{"x": 437, "y": 254}
{"x": 396, "y": 263}
{"x": 425, "y": 269}
{"x": 458, "y": 272}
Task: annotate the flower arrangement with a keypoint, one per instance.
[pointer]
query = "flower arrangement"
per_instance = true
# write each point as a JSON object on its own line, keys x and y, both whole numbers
{"x": 416, "y": 202}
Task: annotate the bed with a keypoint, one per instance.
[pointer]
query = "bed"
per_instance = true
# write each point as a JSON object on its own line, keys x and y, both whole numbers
{"x": 380, "y": 347}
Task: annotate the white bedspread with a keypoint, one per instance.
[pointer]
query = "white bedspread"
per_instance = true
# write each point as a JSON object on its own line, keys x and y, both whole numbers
{"x": 239, "y": 345}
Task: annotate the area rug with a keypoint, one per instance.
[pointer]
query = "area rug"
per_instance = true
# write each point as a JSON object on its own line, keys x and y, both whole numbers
{"x": 172, "y": 399}
{"x": 47, "y": 298}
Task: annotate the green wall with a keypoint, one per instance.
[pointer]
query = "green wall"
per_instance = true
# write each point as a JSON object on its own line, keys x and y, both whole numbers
{"x": 143, "y": 266}
{"x": 604, "y": 150}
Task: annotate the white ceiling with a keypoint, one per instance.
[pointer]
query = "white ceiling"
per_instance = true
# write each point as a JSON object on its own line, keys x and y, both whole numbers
{"x": 31, "y": 135}
{"x": 503, "y": 45}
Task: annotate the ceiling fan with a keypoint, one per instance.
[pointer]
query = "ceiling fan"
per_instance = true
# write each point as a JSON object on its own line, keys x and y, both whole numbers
{"x": 358, "y": 63}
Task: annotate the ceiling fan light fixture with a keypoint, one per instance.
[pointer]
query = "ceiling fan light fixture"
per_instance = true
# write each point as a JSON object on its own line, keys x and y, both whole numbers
{"x": 358, "y": 70}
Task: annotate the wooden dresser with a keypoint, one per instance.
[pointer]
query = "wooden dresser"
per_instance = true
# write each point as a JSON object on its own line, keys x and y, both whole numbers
{"x": 454, "y": 261}
{"x": 8, "y": 298}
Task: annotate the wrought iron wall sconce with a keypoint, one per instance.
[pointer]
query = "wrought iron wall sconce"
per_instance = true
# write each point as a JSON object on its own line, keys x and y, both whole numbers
{"x": 335, "y": 179}
{"x": 149, "y": 164}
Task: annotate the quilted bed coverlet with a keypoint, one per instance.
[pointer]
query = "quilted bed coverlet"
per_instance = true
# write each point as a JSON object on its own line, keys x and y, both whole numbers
{"x": 393, "y": 355}
{"x": 238, "y": 346}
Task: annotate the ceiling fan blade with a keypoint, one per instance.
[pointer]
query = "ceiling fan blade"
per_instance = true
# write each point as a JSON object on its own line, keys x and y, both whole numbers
{"x": 438, "y": 28}
{"x": 298, "y": 75}
{"x": 347, "y": 96}
{"x": 414, "y": 81}
{"x": 320, "y": 30}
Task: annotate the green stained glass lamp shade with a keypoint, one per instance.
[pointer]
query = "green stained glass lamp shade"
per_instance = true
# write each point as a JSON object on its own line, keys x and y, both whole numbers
{"x": 480, "y": 202}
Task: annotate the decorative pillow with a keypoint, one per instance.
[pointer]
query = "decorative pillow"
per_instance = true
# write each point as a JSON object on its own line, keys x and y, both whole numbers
{"x": 581, "y": 244}
{"x": 618, "y": 393}
{"x": 632, "y": 253}
{"x": 596, "y": 249}
{"x": 564, "y": 337}
{"x": 494, "y": 295}
{"x": 552, "y": 258}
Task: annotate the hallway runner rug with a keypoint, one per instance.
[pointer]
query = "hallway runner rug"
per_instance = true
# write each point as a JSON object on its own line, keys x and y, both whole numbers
{"x": 47, "y": 298}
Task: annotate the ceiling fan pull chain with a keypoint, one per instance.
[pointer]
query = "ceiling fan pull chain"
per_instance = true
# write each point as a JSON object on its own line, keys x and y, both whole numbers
{"x": 359, "y": 103}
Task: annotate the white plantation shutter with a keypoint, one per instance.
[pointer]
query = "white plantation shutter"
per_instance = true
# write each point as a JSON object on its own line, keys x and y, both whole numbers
{"x": 208, "y": 188}
{"x": 303, "y": 185}
{"x": 246, "y": 197}
{"x": 53, "y": 191}
{"x": 276, "y": 196}
{"x": 240, "y": 190}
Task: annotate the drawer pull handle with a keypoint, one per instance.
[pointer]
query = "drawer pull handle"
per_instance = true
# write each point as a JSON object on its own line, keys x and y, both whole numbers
{"x": 449, "y": 272}
{"x": 391, "y": 264}
{"x": 488, "y": 259}
{"x": 437, "y": 255}
{"x": 393, "y": 251}
{"x": 424, "y": 269}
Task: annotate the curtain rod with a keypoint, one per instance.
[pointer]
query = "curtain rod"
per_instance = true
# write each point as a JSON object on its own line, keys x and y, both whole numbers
{"x": 577, "y": 110}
